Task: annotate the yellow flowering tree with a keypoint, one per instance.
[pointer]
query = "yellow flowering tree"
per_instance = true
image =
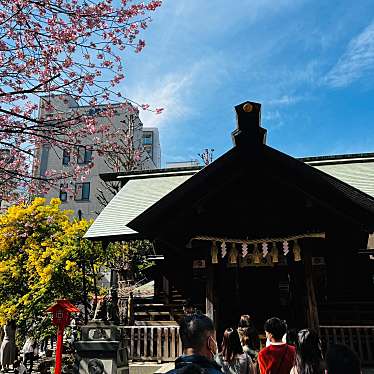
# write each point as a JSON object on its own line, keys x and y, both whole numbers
{"x": 41, "y": 254}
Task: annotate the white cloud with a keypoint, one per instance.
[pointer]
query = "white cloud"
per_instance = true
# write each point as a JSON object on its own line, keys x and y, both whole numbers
{"x": 357, "y": 60}
{"x": 168, "y": 93}
{"x": 272, "y": 119}
{"x": 271, "y": 115}
{"x": 176, "y": 92}
{"x": 213, "y": 12}
{"x": 285, "y": 100}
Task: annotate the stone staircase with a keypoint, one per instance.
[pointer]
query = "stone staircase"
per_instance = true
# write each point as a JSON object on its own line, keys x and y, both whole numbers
{"x": 159, "y": 311}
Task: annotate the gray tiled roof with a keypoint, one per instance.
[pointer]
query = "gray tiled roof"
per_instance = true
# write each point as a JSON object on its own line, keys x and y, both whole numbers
{"x": 358, "y": 172}
{"x": 136, "y": 196}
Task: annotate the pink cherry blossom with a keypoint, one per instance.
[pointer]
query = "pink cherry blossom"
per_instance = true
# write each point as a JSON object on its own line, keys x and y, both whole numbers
{"x": 71, "y": 48}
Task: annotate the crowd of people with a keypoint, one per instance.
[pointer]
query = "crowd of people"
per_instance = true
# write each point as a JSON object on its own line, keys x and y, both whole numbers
{"x": 21, "y": 359}
{"x": 241, "y": 352}
{"x": 286, "y": 352}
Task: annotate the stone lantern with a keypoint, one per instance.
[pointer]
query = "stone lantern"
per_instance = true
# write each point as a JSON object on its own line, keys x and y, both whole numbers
{"x": 61, "y": 316}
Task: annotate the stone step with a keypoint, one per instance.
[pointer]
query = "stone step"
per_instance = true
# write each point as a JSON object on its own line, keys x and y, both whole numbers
{"x": 156, "y": 323}
{"x": 151, "y": 313}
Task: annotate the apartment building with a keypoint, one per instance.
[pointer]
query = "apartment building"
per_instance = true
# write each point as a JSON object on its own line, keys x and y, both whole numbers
{"x": 85, "y": 197}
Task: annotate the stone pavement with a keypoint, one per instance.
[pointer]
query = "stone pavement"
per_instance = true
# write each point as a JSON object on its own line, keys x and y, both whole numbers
{"x": 155, "y": 368}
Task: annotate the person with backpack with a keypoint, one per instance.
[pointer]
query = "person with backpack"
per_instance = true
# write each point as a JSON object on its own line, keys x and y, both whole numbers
{"x": 199, "y": 344}
{"x": 278, "y": 357}
{"x": 232, "y": 358}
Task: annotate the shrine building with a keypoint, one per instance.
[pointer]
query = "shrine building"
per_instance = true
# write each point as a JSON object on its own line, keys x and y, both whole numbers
{"x": 255, "y": 232}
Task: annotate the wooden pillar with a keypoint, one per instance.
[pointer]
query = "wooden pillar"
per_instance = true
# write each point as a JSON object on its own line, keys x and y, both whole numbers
{"x": 130, "y": 309}
{"x": 157, "y": 277}
{"x": 166, "y": 289}
{"x": 312, "y": 308}
{"x": 237, "y": 286}
{"x": 209, "y": 298}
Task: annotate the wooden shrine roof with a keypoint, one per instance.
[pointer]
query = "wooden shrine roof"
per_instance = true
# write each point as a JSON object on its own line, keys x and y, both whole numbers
{"x": 323, "y": 187}
{"x": 149, "y": 200}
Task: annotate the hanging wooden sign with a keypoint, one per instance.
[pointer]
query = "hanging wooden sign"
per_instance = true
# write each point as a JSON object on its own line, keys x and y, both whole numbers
{"x": 198, "y": 264}
{"x": 250, "y": 260}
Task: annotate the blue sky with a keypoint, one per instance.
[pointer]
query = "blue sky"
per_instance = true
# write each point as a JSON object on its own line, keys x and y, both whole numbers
{"x": 310, "y": 64}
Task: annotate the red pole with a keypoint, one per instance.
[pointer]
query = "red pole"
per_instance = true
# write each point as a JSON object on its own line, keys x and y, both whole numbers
{"x": 60, "y": 334}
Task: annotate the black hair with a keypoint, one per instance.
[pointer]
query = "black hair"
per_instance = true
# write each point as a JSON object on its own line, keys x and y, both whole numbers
{"x": 247, "y": 332}
{"x": 96, "y": 361}
{"x": 194, "y": 330}
{"x": 231, "y": 344}
{"x": 292, "y": 336}
{"x": 340, "y": 359}
{"x": 245, "y": 321}
{"x": 12, "y": 323}
{"x": 188, "y": 304}
{"x": 309, "y": 356}
{"x": 276, "y": 327}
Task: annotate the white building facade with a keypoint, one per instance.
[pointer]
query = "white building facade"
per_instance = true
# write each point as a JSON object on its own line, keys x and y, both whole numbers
{"x": 83, "y": 196}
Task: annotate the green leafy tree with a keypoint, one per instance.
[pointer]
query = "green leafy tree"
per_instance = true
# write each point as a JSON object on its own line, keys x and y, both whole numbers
{"x": 130, "y": 259}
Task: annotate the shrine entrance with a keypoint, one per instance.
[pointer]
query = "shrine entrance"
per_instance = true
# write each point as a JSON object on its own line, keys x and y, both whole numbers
{"x": 262, "y": 291}
{"x": 247, "y": 291}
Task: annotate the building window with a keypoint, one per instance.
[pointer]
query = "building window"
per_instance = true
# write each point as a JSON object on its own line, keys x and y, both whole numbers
{"x": 82, "y": 191}
{"x": 95, "y": 111}
{"x": 147, "y": 138}
{"x": 149, "y": 150}
{"x": 84, "y": 155}
{"x": 63, "y": 193}
{"x": 65, "y": 157}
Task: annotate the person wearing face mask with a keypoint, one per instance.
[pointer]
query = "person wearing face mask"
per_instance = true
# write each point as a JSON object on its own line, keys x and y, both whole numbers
{"x": 199, "y": 344}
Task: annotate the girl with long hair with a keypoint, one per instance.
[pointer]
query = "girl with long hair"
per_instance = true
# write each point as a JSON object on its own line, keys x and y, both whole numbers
{"x": 309, "y": 358}
{"x": 232, "y": 358}
{"x": 249, "y": 336}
